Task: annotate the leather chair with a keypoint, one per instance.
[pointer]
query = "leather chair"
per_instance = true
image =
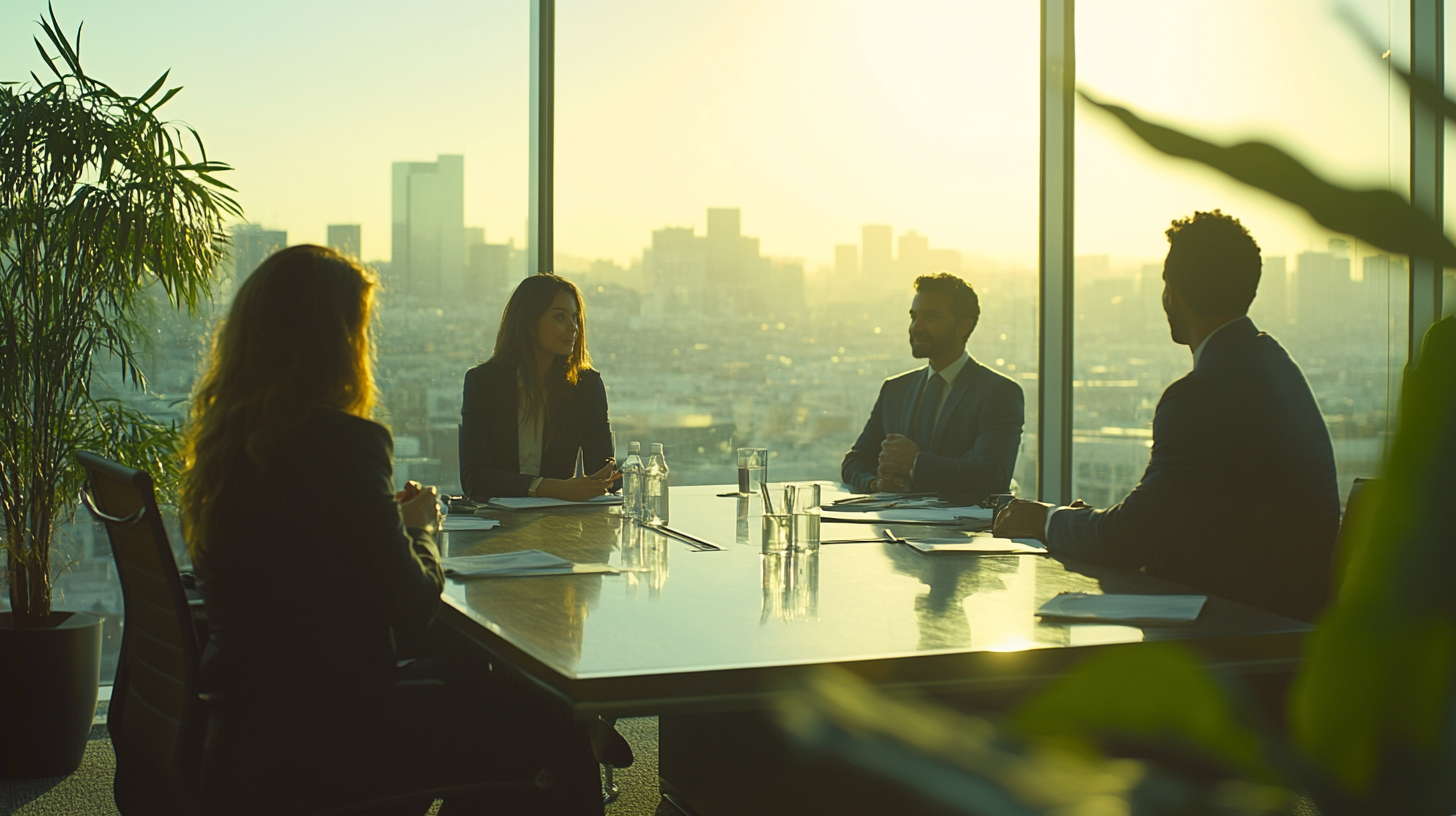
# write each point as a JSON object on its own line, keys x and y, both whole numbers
{"x": 155, "y": 719}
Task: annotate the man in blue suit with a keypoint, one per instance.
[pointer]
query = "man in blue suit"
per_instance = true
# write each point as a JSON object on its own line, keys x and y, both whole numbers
{"x": 952, "y": 427}
{"x": 1239, "y": 498}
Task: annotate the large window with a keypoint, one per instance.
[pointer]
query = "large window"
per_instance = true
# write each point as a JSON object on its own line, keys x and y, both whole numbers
{"x": 398, "y": 134}
{"x": 1292, "y": 73}
{"x": 747, "y": 189}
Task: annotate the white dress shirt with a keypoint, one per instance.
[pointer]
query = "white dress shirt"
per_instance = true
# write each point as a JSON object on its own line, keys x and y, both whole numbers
{"x": 528, "y": 433}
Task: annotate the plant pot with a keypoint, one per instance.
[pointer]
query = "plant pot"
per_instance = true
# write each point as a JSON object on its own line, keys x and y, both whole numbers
{"x": 48, "y": 680}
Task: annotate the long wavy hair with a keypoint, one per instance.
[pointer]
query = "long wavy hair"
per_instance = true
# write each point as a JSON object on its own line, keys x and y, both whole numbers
{"x": 296, "y": 339}
{"x": 515, "y": 342}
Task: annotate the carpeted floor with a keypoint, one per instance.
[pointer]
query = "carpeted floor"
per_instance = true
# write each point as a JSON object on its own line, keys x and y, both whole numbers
{"x": 87, "y": 792}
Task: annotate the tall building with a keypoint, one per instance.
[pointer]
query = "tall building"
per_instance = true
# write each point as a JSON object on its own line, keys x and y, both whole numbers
{"x": 914, "y": 254}
{"x": 846, "y": 264}
{"x": 1271, "y": 305}
{"x": 250, "y": 245}
{"x": 676, "y": 267}
{"x": 344, "y": 239}
{"x": 427, "y": 253}
{"x": 487, "y": 273}
{"x": 877, "y": 258}
{"x": 1323, "y": 292}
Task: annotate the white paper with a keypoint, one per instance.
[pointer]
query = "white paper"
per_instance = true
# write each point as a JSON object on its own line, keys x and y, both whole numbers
{"x": 982, "y": 544}
{"x": 914, "y": 515}
{"x": 529, "y": 503}
{"x": 453, "y": 524}
{"x": 1149, "y": 610}
{"x": 569, "y": 569}
{"x": 481, "y": 564}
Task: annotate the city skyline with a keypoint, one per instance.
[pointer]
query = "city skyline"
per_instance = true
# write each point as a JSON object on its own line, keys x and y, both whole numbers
{"x": 899, "y": 113}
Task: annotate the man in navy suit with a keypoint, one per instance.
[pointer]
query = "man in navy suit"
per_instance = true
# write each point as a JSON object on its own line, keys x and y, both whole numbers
{"x": 1239, "y": 498}
{"x": 952, "y": 427}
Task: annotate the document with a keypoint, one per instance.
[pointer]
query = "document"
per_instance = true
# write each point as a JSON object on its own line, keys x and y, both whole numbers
{"x": 453, "y": 524}
{"x": 982, "y": 544}
{"x": 1145, "y": 610}
{"x": 529, "y": 503}
{"x": 913, "y": 515}
{"x": 516, "y": 564}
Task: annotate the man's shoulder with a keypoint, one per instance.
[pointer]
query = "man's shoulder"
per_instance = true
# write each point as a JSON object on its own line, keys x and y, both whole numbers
{"x": 905, "y": 378}
{"x": 993, "y": 380}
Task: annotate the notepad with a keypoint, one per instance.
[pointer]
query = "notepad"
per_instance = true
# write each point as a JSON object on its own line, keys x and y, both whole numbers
{"x": 453, "y": 524}
{"x": 982, "y": 544}
{"x": 539, "y": 502}
{"x": 1145, "y": 610}
{"x": 516, "y": 564}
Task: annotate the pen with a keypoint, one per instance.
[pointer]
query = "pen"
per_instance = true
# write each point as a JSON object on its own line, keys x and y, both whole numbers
{"x": 894, "y": 539}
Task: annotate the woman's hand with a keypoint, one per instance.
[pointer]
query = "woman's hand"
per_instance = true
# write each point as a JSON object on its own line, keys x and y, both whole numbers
{"x": 580, "y": 488}
{"x": 422, "y": 508}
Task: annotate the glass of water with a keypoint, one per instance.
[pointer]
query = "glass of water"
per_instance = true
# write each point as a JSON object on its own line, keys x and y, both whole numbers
{"x": 752, "y": 470}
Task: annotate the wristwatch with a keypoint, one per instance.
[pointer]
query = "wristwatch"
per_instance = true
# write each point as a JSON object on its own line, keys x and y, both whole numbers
{"x": 535, "y": 483}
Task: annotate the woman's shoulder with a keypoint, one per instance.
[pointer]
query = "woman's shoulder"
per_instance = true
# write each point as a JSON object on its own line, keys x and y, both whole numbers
{"x": 340, "y": 431}
{"x": 491, "y": 369}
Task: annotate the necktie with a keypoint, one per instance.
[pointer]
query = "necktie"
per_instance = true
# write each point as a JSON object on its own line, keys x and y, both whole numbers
{"x": 924, "y": 429}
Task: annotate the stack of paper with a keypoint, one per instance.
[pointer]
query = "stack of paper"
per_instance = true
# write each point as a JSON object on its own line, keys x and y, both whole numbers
{"x": 521, "y": 563}
{"x": 1143, "y": 610}
{"x": 529, "y": 503}
{"x": 453, "y": 524}
{"x": 982, "y": 544}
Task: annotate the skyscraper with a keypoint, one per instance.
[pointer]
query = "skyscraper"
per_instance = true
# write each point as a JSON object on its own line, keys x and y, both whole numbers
{"x": 428, "y": 219}
{"x": 1271, "y": 306}
{"x": 1323, "y": 291}
{"x": 846, "y": 263}
{"x": 344, "y": 238}
{"x": 914, "y": 253}
{"x": 877, "y": 259}
{"x": 250, "y": 245}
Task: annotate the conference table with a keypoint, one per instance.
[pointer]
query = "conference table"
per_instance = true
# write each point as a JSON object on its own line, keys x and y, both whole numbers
{"x": 707, "y": 638}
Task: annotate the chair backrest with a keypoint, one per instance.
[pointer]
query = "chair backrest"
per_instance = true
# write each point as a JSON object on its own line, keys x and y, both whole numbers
{"x": 155, "y": 719}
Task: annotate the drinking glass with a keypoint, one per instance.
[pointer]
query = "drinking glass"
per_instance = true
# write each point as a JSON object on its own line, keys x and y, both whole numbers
{"x": 752, "y": 469}
{"x": 778, "y": 532}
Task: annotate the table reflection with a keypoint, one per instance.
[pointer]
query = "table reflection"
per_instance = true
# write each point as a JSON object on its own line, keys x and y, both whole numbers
{"x": 999, "y": 591}
{"x": 790, "y": 586}
{"x": 643, "y": 549}
{"x": 549, "y": 611}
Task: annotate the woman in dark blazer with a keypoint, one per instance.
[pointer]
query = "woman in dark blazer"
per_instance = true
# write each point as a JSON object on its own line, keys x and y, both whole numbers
{"x": 537, "y": 403}
{"x": 313, "y": 567}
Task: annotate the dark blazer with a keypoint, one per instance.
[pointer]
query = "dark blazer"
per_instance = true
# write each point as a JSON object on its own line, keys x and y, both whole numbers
{"x": 490, "y": 463}
{"x": 976, "y": 437}
{"x": 1239, "y": 498}
{"x": 309, "y": 573}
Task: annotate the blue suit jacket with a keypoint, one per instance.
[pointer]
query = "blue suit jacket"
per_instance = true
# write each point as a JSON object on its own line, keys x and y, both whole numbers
{"x": 1239, "y": 498}
{"x": 976, "y": 437}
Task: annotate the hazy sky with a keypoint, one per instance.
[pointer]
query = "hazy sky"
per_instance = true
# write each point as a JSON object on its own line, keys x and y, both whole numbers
{"x": 813, "y": 117}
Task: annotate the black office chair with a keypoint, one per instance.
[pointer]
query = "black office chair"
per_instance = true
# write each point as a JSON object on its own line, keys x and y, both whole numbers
{"x": 155, "y": 719}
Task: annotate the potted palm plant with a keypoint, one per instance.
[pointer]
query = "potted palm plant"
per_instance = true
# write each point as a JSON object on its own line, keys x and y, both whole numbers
{"x": 100, "y": 201}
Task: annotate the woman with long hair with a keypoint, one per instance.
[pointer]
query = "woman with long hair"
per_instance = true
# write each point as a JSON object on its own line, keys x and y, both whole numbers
{"x": 537, "y": 405}
{"x": 313, "y": 568}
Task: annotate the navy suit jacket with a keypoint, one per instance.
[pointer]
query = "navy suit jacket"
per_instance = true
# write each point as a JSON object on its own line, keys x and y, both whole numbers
{"x": 490, "y": 462}
{"x": 1239, "y": 498}
{"x": 973, "y": 451}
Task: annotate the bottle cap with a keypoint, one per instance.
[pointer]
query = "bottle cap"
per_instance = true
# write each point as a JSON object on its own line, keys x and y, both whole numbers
{"x": 657, "y": 447}
{"x": 634, "y": 447}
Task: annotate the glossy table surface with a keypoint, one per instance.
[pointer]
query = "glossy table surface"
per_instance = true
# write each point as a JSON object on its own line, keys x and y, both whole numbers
{"x": 689, "y": 629}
